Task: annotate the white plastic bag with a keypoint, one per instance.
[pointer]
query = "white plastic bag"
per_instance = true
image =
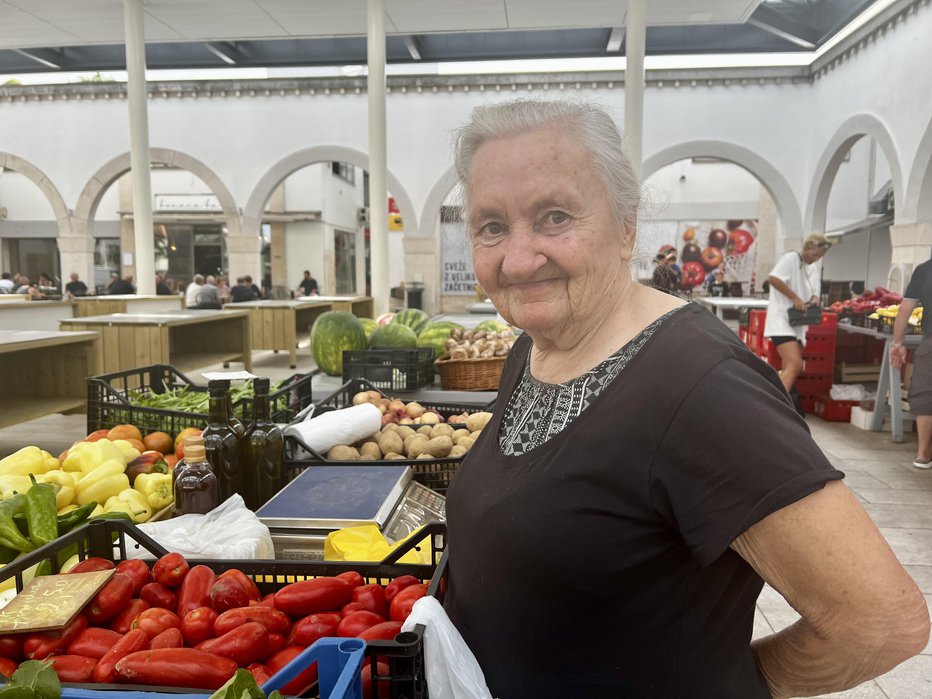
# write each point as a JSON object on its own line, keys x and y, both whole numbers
{"x": 451, "y": 669}
{"x": 231, "y": 530}
{"x": 847, "y": 391}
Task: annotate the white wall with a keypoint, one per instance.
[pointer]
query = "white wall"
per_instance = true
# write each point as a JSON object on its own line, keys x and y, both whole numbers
{"x": 306, "y": 246}
{"x": 303, "y": 189}
{"x": 22, "y": 198}
{"x": 860, "y": 256}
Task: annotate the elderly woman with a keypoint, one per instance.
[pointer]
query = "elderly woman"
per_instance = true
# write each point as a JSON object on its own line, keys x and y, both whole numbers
{"x": 598, "y": 545}
{"x": 795, "y": 282}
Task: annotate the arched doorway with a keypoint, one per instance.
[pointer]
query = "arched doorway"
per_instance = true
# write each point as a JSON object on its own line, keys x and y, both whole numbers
{"x": 917, "y": 204}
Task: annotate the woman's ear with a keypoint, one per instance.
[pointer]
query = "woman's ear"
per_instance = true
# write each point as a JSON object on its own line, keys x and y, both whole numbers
{"x": 629, "y": 237}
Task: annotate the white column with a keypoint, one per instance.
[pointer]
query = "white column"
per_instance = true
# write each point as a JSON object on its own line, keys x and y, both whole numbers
{"x": 378, "y": 191}
{"x": 635, "y": 40}
{"x": 139, "y": 145}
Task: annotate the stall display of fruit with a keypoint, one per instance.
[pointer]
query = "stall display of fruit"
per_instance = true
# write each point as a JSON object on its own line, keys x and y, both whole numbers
{"x": 890, "y": 312}
{"x": 868, "y": 302}
{"x": 182, "y": 625}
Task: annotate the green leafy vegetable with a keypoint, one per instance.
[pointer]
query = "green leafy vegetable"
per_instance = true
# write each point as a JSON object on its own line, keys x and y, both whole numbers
{"x": 33, "y": 679}
{"x": 243, "y": 686}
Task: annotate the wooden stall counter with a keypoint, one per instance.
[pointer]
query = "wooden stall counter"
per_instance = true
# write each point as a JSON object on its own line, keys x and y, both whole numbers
{"x": 277, "y": 325}
{"x": 43, "y": 372}
{"x": 186, "y": 339}
{"x": 362, "y": 306}
{"x": 125, "y": 303}
{"x": 34, "y": 315}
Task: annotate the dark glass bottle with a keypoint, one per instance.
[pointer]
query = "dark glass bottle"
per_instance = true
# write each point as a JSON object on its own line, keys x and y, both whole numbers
{"x": 194, "y": 484}
{"x": 223, "y": 441}
{"x": 263, "y": 447}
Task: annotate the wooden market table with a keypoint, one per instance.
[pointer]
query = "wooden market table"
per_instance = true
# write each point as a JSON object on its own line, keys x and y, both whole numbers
{"x": 186, "y": 339}
{"x": 888, "y": 383}
{"x": 43, "y": 372}
{"x": 11, "y": 298}
{"x": 277, "y": 325}
{"x": 125, "y": 303}
{"x": 34, "y": 315}
{"x": 362, "y": 306}
{"x": 718, "y": 304}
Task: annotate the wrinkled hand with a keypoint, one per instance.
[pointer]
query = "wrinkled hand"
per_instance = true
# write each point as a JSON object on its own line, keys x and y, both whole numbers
{"x": 897, "y": 357}
{"x": 799, "y": 305}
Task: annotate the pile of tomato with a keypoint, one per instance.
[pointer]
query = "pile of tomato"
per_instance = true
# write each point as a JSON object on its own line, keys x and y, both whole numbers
{"x": 182, "y": 626}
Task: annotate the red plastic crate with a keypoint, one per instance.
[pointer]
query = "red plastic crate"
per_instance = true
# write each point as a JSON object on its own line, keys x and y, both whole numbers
{"x": 756, "y": 319}
{"x": 829, "y": 320}
{"x": 834, "y": 410}
{"x": 819, "y": 344}
{"x": 808, "y": 403}
{"x": 819, "y": 365}
{"x": 813, "y": 385}
{"x": 743, "y": 334}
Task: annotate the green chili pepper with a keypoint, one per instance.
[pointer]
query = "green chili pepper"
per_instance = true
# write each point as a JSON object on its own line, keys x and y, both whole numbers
{"x": 113, "y": 515}
{"x": 10, "y": 536}
{"x": 7, "y": 555}
{"x": 41, "y": 513}
{"x": 75, "y": 518}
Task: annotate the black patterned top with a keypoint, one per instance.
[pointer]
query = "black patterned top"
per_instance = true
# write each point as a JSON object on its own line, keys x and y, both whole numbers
{"x": 538, "y": 411}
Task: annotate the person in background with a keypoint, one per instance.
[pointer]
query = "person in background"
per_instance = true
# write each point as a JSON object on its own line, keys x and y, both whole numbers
{"x": 666, "y": 276}
{"x": 47, "y": 285}
{"x": 6, "y": 283}
{"x": 162, "y": 287}
{"x": 666, "y": 542}
{"x": 223, "y": 287}
{"x": 256, "y": 291}
{"x": 123, "y": 286}
{"x": 242, "y": 291}
{"x": 717, "y": 284}
{"x": 29, "y": 289}
{"x": 209, "y": 295}
{"x": 795, "y": 282}
{"x": 918, "y": 293}
{"x": 76, "y": 287}
{"x": 308, "y": 285}
{"x": 192, "y": 290}
{"x": 114, "y": 278}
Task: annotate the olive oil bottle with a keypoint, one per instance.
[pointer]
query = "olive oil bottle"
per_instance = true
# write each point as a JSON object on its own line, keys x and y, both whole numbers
{"x": 262, "y": 450}
{"x": 223, "y": 441}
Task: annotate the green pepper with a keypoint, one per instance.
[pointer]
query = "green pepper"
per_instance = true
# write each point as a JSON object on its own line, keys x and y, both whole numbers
{"x": 114, "y": 515}
{"x": 10, "y": 536}
{"x": 7, "y": 555}
{"x": 75, "y": 518}
{"x": 41, "y": 513}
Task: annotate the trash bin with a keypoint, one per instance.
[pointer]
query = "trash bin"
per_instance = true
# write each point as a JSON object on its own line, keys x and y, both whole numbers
{"x": 415, "y": 294}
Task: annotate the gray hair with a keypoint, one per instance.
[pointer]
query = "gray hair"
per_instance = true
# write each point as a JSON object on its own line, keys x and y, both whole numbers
{"x": 591, "y": 123}
{"x": 198, "y": 278}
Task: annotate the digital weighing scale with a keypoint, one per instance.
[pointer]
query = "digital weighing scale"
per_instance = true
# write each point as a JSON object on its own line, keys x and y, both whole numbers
{"x": 326, "y": 498}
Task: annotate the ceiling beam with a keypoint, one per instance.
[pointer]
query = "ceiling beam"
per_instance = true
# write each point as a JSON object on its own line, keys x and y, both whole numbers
{"x": 413, "y": 45}
{"x": 770, "y": 20}
{"x": 615, "y": 40}
{"x": 47, "y": 57}
{"x": 226, "y": 52}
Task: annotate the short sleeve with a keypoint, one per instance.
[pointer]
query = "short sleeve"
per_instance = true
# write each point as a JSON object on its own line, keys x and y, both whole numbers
{"x": 914, "y": 288}
{"x": 735, "y": 452}
{"x": 784, "y": 267}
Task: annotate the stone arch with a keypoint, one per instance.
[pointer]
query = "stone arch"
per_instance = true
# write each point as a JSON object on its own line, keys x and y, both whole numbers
{"x": 252, "y": 215}
{"x": 8, "y": 161}
{"x": 847, "y": 134}
{"x": 917, "y": 204}
{"x": 108, "y": 173}
{"x": 768, "y": 175}
{"x": 442, "y": 187}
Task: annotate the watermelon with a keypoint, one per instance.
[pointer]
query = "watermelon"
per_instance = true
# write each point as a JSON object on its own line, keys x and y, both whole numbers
{"x": 414, "y": 318}
{"x": 435, "y": 335}
{"x": 368, "y": 325}
{"x": 393, "y": 335}
{"x": 385, "y": 318}
{"x": 495, "y": 326}
{"x": 334, "y": 332}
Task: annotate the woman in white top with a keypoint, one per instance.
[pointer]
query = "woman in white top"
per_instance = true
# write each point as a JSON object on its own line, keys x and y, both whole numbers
{"x": 795, "y": 282}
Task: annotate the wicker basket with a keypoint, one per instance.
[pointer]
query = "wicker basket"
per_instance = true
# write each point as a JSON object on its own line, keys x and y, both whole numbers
{"x": 470, "y": 374}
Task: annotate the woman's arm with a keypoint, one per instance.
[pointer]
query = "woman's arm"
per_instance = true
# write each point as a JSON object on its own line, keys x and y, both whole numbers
{"x": 784, "y": 288}
{"x": 862, "y": 614}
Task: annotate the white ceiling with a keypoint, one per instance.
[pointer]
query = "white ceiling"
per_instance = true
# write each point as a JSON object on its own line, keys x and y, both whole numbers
{"x": 31, "y": 23}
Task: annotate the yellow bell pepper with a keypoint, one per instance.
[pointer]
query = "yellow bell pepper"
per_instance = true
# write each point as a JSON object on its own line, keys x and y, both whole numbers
{"x": 128, "y": 450}
{"x": 83, "y": 456}
{"x": 132, "y": 502}
{"x": 27, "y": 460}
{"x": 67, "y": 508}
{"x": 108, "y": 466}
{"x": 157, "y": 487}
{"x": 65, "y": 481}
{"x": 100, "y": 485}
{"x": 111, "y": 450}
{"x": 99, "y": 510}
{"x": 12, "y": 484}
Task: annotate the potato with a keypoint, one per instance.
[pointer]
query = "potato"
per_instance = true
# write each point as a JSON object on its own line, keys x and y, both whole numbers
{"x": 425, "y": 430}
{"x": 392, "y": 456}
{"x": 438, "y": 447}
{"x": 371, "y": 450}
{"x": 390, "y": 427}
{"x": 425, "y": 455}
{"x": 368, "y": 457}
{"x": 342, "y": 452}
{"x": 391, "y": 442}
{"x": 466, "y": 442}
{"x": 403, "y": 431}
{"x": 458, "y": 435}
{"x": 477, "y": 421}
{"x": 475, "y": 435}
{"x": 441, "y": 430}
{"x": 457, "y": 450}
{"x": 416, "y": 445}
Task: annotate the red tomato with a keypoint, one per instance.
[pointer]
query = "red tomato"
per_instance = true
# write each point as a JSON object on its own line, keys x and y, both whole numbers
{"x": 123, "y": 621}
{"x": 94, "y": 642}
{"x": 310, "y": 628}
{"x": 170, "y": 569}
{"x": 154, "y": 621}
{"x": 268, "y": 600}
{"x": 92, "y": 565}
{"x": 302, "y": 681}
{"x": 245, "y": 644}
{"x": 357, "y": 622}
{"x": 158, "y": 595}
{"x": 353, "y": 578}
{"x": 348, "y": 609}
{"x": 275, "y": 644}
{"x": 404, "y": 600}
{"x": 247, "y": 583}
{"x": 399, "y": 584}
{"x": 198, "y": 625}
{"x": 7, "y": 667}
{"x": 73, "y": 668}
{"x": 11, "y": 646}
{"x": 312, "y": 596}
{"x": 260, "y": 672}
{"x": 272, "y": 619}
{"x": 372, "y": 599}
{"x": 169, "y": 638}
{"x": 228, "y": 593}
{"x": 384, "y": 686}
{"x": 137, "y": 571}
{"x": 112, "y": 597}
{"x": 386, "y": 631}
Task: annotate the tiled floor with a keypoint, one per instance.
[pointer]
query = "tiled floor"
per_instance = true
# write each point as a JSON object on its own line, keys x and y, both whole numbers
{"x": 897, "y": 496}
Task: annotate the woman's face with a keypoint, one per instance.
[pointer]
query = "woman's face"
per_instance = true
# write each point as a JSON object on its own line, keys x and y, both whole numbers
{"x": 545, "y": 244}
{"x": 811, "y": 254}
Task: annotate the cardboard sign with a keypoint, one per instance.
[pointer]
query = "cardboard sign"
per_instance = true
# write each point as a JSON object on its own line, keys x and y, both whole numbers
{"x": 51, "y": 602}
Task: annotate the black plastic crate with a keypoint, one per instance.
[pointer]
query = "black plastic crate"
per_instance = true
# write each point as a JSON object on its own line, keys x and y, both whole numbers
{"x": 110, "y": 400}
{"x": 111, "y": 539}
{"x": 434, "y": 473}
{"x": 391, "y": 369}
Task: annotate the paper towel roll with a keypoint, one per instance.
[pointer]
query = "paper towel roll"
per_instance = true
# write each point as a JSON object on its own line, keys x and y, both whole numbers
{"x": 345, "y": 426}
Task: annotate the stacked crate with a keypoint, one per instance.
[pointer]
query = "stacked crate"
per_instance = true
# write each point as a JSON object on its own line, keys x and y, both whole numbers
{"x": 818, "y": 354}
